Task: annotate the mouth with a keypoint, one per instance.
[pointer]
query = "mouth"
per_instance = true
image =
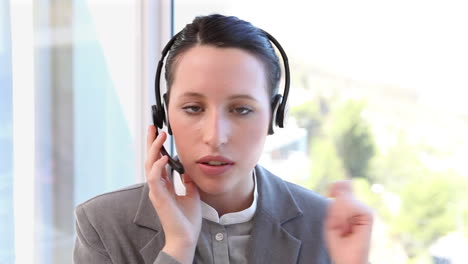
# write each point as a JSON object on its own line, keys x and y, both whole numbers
{"x": 214, "y": 165}
{"x": 215, "y": 160}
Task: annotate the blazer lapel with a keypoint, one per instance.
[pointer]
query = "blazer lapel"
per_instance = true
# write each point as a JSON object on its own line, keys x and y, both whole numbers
{"x": 271, "y": 243}
{"x": 151, "y": 250}
{"x": 146, "y": 217}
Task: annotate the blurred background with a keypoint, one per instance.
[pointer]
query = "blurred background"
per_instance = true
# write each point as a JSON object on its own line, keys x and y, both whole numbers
{"x": 377, "y": 96}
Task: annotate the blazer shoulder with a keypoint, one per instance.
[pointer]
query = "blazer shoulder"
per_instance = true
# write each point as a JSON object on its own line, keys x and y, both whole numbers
{"x": 121, "y": 202}
{"x": 307, "y": 198}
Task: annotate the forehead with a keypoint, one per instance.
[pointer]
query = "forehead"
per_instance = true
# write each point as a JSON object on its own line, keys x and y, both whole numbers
{"x": 208, "y": 69}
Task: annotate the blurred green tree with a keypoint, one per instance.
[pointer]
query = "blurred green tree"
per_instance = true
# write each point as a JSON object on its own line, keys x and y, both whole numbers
{"x": 340, "y": 140}
{"x": 429, "y": 208}
{"x": 431, "y": 204}
{"x": 353, "y": 138}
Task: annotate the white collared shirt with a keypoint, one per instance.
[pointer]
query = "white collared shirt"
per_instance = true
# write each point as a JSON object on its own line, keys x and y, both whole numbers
{"x": 225, "y": 239}
{"x": 209, "y": 213}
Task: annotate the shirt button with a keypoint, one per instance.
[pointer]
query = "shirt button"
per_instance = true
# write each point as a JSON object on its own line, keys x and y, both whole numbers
{"x": 219, "y": 236}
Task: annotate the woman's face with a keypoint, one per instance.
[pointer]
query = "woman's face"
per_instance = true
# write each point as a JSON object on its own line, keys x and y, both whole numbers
{"x": 219, "y": 112}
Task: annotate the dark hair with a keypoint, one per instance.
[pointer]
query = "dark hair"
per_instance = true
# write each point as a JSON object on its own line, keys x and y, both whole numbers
{"x": 223, "y": 32}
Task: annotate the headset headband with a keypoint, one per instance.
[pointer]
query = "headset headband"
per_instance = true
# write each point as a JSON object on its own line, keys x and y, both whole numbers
{"x": 282, "y": 106}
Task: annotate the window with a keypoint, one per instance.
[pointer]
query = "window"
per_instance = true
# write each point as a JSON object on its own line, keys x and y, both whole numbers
{"x": 6, "y": 139}
{"x": 74, "y": 105}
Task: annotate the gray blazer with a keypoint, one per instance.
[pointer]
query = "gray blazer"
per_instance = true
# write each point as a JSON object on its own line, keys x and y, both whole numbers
{"x": 123, "y": 227}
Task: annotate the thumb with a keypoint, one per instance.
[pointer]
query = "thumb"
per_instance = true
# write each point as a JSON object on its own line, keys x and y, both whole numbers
{"x": 340, "y": 188}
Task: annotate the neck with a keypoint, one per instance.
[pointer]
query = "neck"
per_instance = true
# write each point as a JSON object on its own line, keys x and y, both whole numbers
{"x": 230, "y": 202}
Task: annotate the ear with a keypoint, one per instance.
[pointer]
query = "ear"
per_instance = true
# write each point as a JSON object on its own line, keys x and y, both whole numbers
{"x": 166, "y": 117}
{"x": 274, "y": 111}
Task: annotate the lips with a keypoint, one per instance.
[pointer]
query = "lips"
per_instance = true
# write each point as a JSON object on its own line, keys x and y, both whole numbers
{"x": 214, "y": 165}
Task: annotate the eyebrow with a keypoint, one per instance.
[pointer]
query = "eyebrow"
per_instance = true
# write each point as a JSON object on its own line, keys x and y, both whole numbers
{"x": 236, "y": 96}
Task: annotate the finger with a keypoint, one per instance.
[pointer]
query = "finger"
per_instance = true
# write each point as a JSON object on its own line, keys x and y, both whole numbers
{"x": 155, "y": 174}
{"x": 186, "y": 178}
{"x": 336, "y": 212}
{"x": 357, "y": 223}
{"x": 161, "y": 189}
{"x": 164, "y": 179}
{"x": 340, "y": 188}
{"x": 191, "y": 189}
{"x": 154, "y": 151}
{"x": 340, "y": 224}
{"x": 158, "y": 143}
{"x": 334, "y": 218}
{"x": 346, "y": 213}
{"x": 151, "y": 135}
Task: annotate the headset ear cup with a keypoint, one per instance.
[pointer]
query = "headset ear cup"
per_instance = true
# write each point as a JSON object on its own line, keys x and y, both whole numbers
{"x": 274, "y": 112}
{"x": 158, "y": 116}
{"x": 166, "y": 113}
{"x": 280, "y": 116}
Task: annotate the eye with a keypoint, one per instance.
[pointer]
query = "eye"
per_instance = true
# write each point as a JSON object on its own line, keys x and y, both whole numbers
{"x": 192, "y": 109}
{"x": 242, "y": 110}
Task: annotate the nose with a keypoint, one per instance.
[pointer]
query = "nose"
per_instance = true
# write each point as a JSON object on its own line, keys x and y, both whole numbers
{"x": 216, "y": 129}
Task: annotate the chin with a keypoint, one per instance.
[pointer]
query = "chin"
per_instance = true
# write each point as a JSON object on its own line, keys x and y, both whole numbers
{"x": 211, "y": 185}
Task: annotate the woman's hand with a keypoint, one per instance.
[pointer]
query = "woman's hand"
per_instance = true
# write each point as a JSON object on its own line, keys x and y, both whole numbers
{"x": 180, "y": 216}
{"x": 348, "y": 226}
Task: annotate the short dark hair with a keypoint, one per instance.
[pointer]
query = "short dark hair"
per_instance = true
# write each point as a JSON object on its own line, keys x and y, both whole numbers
{"x": 226, "y": 32}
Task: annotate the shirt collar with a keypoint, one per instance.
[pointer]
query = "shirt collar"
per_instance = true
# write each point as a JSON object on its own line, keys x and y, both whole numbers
{"x": 209, "y": 213}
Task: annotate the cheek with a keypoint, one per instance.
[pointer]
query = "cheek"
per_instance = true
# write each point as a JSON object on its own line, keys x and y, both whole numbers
{"x": 253, "y": 134}
{"x": 259, "y": 128}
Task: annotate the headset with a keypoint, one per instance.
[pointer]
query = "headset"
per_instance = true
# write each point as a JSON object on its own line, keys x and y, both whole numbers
{"x": 159, "y": 111}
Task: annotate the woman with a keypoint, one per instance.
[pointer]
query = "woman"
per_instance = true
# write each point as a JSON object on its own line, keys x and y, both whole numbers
{"x": 222, "y": 74}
